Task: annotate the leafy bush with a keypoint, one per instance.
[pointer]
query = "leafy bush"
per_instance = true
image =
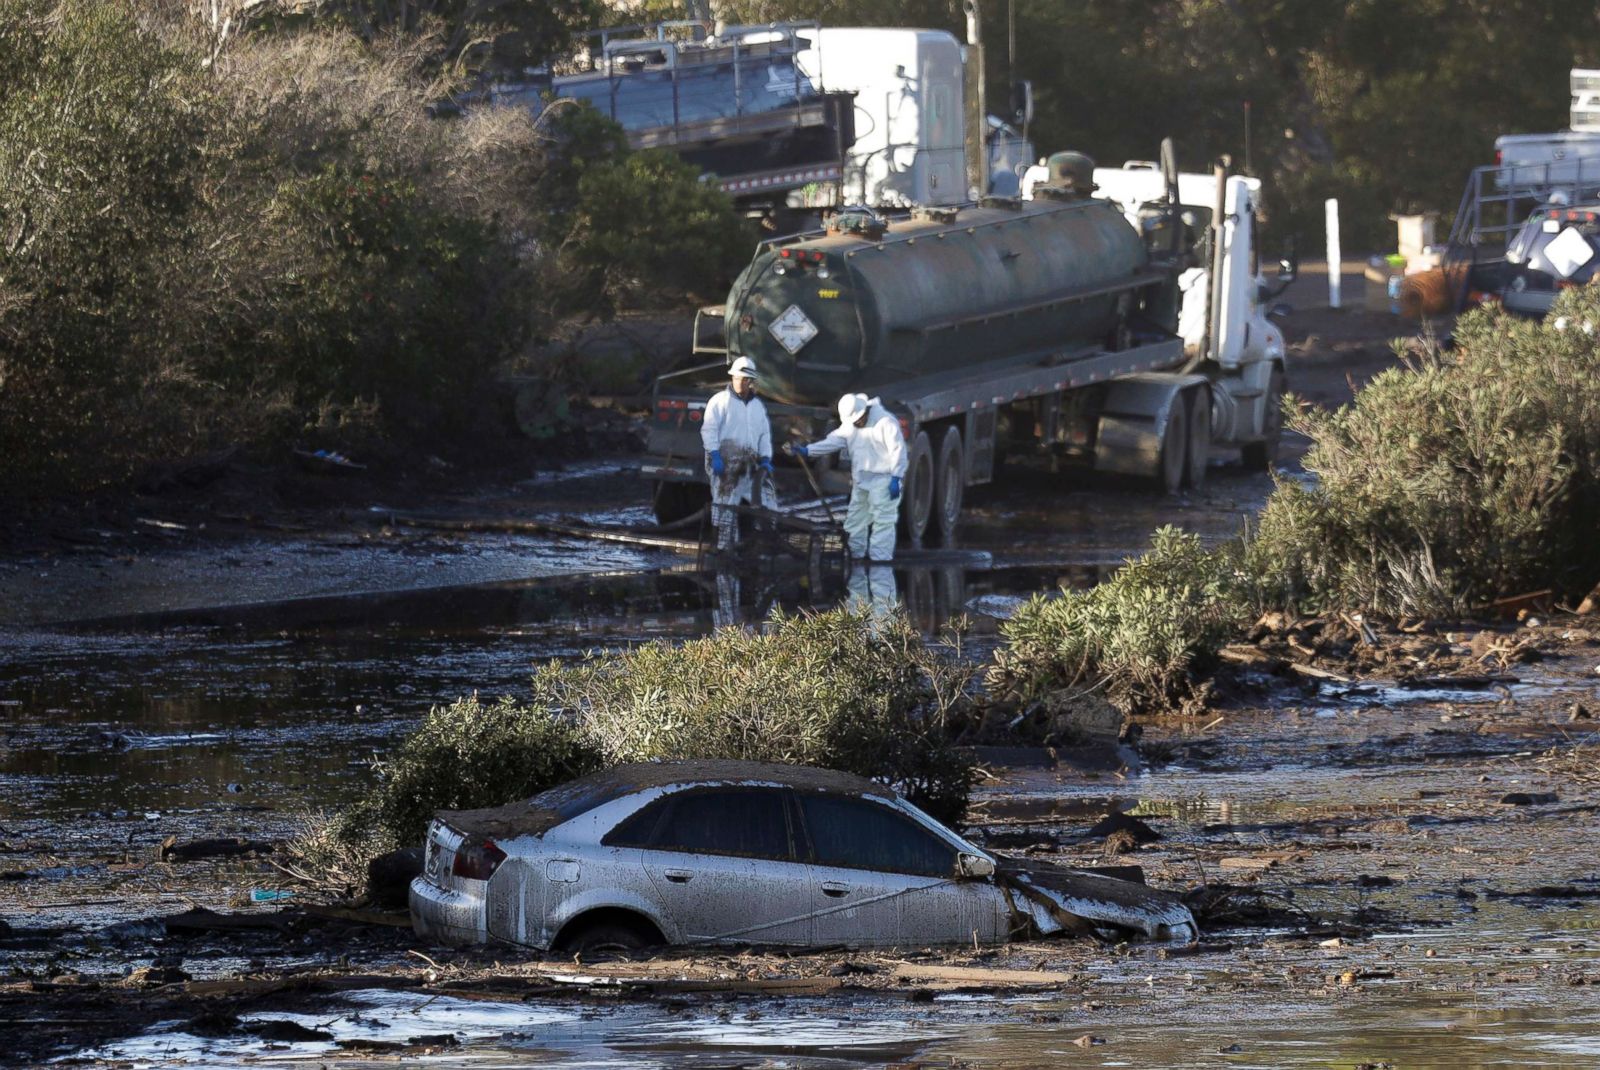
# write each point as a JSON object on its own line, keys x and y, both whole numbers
{"x": 1139, "y": 635}
{"x": 466, "y": 755}
{"x": 98, "y": 126}
{"x": 837, "y": 689}
{"x": 1473, "y": 474}
{"x": 229, "y": 238}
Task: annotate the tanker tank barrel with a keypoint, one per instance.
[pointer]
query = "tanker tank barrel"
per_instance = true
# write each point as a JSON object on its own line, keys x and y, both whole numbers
{"x": 871, "y": 303}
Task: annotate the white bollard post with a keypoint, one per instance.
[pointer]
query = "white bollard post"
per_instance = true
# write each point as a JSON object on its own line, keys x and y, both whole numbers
{"x": 1335, "y": 275}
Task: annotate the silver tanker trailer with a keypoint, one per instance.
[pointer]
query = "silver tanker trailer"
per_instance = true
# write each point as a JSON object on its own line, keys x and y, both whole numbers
{"x": 1079, "y": 324}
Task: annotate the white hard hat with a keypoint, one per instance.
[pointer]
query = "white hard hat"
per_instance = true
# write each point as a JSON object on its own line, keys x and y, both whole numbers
{"x": 743, "y": 366}
{"x": 851, "y": 406}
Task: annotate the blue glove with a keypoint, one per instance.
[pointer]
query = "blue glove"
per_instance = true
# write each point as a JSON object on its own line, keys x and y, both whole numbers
{"x": 894, "y": 486}
{"x": 766, "y": 463}
{"x": 799, "y": 450}
{"x": 717, "y": 467}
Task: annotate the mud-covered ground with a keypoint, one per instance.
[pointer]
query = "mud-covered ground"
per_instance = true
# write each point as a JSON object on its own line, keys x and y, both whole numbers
{"x": 1390, "y": 869}
{"x": 1384, "y": 875}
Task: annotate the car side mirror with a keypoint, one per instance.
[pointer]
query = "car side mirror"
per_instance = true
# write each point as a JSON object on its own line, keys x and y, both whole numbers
{"x": 973, "y": 866}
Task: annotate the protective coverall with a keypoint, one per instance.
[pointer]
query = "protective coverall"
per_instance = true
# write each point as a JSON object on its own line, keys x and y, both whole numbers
{"x": 877, "y": 465}
{"x": 740, "y": 431}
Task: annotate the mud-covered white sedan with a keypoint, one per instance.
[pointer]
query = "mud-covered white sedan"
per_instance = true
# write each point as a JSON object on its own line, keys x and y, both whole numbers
{"x": 747, "y": 853}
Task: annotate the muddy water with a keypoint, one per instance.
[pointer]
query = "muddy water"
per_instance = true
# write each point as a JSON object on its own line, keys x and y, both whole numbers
{"x": 1411, "y": 1030}
{"x": 282, "y": 702}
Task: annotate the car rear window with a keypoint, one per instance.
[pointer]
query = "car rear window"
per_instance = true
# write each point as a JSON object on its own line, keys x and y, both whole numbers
{"x": 578, "y": 797}
{"x": 858, "y": 834}
{"x": 750, "y": 823}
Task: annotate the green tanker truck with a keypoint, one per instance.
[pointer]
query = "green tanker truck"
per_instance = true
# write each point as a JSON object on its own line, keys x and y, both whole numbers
{"x": 1078, "y": 323}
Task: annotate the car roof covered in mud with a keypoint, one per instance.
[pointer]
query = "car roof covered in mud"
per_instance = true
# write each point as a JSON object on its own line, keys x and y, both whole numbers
{"x": 566, "y": 801}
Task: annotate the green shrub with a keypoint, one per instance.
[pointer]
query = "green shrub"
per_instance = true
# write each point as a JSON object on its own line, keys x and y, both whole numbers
{"x": 1139, "y": 635}
{"x": 226, "y": 248}
{"x": 98, "y": 132}
{"x": 1473, "y": 474}
{"x": 836, "y": 689}
{"x": 466, "y": 755}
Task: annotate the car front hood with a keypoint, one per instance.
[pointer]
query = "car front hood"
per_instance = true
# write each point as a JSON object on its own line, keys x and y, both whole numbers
{"x": 1058, "y": 898}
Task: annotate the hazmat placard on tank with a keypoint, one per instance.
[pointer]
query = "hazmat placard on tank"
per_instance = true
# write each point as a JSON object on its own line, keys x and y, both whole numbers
{"x": 793, "y": 329}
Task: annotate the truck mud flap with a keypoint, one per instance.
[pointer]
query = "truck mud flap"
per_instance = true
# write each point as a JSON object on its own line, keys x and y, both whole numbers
{"x": 1133, "y": 421}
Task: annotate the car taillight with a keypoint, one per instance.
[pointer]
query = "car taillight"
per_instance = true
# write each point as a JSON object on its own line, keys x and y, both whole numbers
{"x": 477, "y": 862}
{"x": 671, "y": 410}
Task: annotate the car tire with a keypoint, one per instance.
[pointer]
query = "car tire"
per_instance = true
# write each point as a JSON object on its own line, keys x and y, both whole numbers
{"x": 606, "y": 938}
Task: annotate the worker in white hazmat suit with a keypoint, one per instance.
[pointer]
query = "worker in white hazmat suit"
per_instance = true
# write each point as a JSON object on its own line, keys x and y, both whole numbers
{"x": 738, "y": 444}
{"x": 877, "y": 465}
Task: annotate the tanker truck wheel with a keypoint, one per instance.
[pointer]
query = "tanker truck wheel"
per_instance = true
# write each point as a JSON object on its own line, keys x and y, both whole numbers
{"x": 1173, "y": 464}
{"x": 950, "y": 482}
{"x": 916, "y": 492}
{"x": 1199, "y": 401}
{"x": 1262, "y": 456}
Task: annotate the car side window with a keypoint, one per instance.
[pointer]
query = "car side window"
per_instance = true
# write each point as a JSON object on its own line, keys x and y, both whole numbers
{"x": 858, "y": 834}
{"x": 748, "y": 823}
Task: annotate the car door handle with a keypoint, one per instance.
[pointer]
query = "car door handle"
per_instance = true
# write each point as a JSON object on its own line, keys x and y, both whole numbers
{"x": 835, "y": 889}
{"x": 679, "y": 876}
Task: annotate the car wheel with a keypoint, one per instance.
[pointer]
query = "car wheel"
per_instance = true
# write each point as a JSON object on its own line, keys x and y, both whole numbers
{"x": 606, "y": 938}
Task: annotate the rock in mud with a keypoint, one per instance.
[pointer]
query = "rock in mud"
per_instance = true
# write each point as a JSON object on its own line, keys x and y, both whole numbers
{"x": 411, "y": 1045}
{"x": 1135, "y": 829}
{"x": 1120, "y": 842}
{"x": 152, "y": 976}
{"x": 1529, "y": 798}
{"x": 173, "y": 851}
{"x": 212, "y": 1024}
{"x": 389, "y": 876}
